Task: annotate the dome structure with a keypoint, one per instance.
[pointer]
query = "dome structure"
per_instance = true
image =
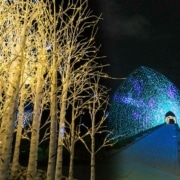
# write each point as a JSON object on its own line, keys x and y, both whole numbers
{"x": 142, "y": 101}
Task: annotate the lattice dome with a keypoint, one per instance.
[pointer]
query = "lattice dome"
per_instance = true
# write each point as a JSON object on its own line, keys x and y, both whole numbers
{"x": 141, "y": 102}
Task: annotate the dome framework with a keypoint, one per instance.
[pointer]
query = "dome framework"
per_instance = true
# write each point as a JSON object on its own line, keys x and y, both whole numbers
{"x": 143, "y": 101}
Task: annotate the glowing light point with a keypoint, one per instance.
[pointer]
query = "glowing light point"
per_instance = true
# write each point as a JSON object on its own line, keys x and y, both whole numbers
{"x": 61, "y": 132}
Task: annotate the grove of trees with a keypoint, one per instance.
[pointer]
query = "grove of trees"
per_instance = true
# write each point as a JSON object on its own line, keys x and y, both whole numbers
{"x": 49, "y": 59}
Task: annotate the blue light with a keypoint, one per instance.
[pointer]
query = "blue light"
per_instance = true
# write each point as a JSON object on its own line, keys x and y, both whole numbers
{"x": 27, "y": 116}
{"x": 141, "y": 102}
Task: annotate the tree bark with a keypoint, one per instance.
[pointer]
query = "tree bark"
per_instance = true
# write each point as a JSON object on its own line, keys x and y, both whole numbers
{"x": 7, "y": 127}
{"x": 65, "y": 86}
{"x": 71, "y": 164}
{"x": 15, "y": 161}
{"x": 33, "y": 157}
{"x": 53, "y": 127}
{"x": 53, "y": 107}
{"x": 92, "y": 176}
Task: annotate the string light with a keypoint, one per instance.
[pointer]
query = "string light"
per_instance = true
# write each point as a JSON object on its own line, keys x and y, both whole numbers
{"x": 141, "y": 102}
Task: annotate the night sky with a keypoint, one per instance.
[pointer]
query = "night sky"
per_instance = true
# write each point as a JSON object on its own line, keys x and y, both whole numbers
{"x": 137, "y": 33}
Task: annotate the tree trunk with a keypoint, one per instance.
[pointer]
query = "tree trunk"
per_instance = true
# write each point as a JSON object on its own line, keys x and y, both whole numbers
{"x": 71, "y": 164}
{"x": 7, "y": 135}
{"x": 10, "y": 105}
{"x": 92, "y": 158}
{"x": 1, "y": 106}
{"x": 33, "y": 155}
{"x": 2, "y": 123}
{"x": 2, "y": 127}
{"x": 59, "y": 161}
{"x": 93, "y": 144}
{"x": 53, "y": 141}
{"x": 53, "y": 108}
{"x": 53, "y": 128}
{"x": 65, "y": 86}
{"x": 15, "y": 161}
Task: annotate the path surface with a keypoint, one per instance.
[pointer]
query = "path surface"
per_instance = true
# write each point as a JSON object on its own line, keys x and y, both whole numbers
{"x": 153, "y": 157}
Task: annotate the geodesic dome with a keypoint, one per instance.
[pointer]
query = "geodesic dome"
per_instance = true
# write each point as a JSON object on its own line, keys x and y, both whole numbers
{"x": 141, "y": 102}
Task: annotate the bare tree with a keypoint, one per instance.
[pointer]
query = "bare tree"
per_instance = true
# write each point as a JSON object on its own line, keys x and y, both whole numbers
{"x": 78, "y": 47}
{"x": 53, "y": 98}
{"x": 78, "y": 102}
{"x": 21, "y": 124}
{"x": 37, "y": 115}
{"x": 97, "y": 111}
{"x": 21, "y": 39}
{"x": 40, "y": 99}
{"x": 41, "y": 40}
{"x": 15, "y": 28}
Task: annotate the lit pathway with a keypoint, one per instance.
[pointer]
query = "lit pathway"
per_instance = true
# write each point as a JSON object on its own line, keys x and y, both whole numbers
{"x": 153, "y": 157}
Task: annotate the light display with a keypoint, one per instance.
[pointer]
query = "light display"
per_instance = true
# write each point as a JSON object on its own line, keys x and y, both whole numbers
{"x": 141, "y": 102}
{"x": 28, "y": 116}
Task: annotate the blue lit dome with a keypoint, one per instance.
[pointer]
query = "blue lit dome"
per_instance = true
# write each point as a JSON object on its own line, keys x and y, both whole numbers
{"x": 143, "y": 101}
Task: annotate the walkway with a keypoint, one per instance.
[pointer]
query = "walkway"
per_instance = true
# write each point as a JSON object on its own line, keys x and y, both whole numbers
{"x": 154, "y": 157}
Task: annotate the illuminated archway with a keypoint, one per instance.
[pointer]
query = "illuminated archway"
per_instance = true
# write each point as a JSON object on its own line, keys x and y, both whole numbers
{"x": 142, "y": 101}
{"x": 170, "y": 118}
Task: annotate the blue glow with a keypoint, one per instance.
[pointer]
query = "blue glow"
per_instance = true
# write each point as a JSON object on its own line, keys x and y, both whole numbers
{"x": 141, "y": 102}
{"x": 27, "y": 116}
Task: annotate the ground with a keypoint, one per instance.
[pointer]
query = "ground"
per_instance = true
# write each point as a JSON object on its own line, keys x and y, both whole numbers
{"x": 154, "y": 155}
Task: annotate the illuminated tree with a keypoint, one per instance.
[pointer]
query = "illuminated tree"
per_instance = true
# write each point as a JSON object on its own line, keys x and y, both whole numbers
{"x": 76, "y": 105}
{"x": 24, "y": 55}
{"x": 39, "y": 91}
{"x": 21, "y": 125}
{"x": 13, "y": 37}
{"x": 40, "y": 41}
{"x": 53, "y": 97}
{"x": 78, "y": 99}
{"x": 24, "y": 118}
{"x": 141, "y": 102}
{"x": 97, "y": 111}
{"x": 37, "y": 115}
{"x": 77, "y": 48}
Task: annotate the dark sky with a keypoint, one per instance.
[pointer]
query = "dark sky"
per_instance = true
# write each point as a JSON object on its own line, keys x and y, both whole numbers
{"x": 140, "y": 32}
